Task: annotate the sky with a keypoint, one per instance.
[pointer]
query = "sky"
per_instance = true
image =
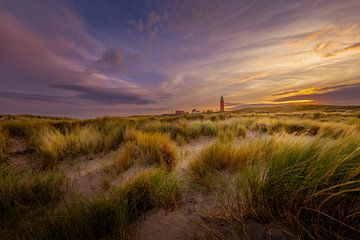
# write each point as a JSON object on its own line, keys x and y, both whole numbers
{"x": 82, "y": 58}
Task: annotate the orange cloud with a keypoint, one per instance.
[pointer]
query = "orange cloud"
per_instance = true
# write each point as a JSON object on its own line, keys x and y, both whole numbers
{"x": 311, "y": 37}
{"x": 351, "y": 48}
{"x": 340, "y": 94}
{"x": 330, "y": 41}
{"x": 297, "y": 92}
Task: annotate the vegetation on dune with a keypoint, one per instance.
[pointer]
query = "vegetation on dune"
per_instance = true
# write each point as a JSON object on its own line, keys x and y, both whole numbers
{"x": 185, "y": 131}
{"x": 27, "y": 188}
{"x": 308, "y": 187}
{"x": 311, "y": 187}
{"x": 226, "y": 157}
{"x": 24, "y": 192}
{"x": 301, "y": 127}
{"x": 4, "y": 144}
{"x": 149, "y": 148}
{"x": 52, "y": 145}
{"x": 182, "y": 129}
{"x": 23, "y": 127}
{"x": 294, "y": 168}
{"x": 110, "y": 216}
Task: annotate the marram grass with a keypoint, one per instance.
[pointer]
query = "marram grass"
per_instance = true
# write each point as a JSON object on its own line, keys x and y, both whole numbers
{"x": 149, "y": 148}
{"x": 309, "y": 187}
{"x": 4, "y": 144}
{"x": 111, "y": 216}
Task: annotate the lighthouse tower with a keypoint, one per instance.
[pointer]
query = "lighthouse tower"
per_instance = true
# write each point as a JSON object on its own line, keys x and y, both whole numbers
{"x": 222, "y": 104}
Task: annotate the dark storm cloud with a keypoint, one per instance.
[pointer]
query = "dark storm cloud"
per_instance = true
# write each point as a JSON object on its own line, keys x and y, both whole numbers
{"x": 106, "y": 95}
{"x": 345, "y": 94}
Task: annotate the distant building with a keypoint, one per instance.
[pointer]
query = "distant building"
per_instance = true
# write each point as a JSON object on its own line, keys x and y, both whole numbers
{"x": 179, "y": 112}
{"x": 195, "y": 111}
{"x": 222, "y": 104}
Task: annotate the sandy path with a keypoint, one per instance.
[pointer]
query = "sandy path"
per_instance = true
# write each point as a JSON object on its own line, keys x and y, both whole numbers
{"x": 186, "y": 153}
{"x": 89, "y": 175}
{"x": 95, "y": 175}
{"x": 18, "y": 156}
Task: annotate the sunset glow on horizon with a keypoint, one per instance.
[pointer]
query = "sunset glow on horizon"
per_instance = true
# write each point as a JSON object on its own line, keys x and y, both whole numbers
{"x": 93, "y": 58}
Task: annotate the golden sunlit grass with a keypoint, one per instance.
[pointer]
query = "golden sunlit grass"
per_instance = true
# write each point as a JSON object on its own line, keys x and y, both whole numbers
{"x": 228, "y": 157}
{"x": 307, "y": 187}
{"x": 184, "y": 131}
{"x": 149, "y": 148}
{"x": 52, "y": 145}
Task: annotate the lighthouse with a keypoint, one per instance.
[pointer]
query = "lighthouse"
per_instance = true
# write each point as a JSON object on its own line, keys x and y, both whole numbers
{"x": 222, "y": 104}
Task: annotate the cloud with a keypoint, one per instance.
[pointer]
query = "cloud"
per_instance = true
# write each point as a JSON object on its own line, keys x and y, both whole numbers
{"x": 179, "y": 54}
{"x": 340, "y": 94}
{"x": 24, "y": 53}
{"x": 351, "y": 48}
{"x": 138, "y": 25}
{"x": 311, "y": 37}
{"x": 35, "y": 63}
{"x": 33, "y": 58}
{"x": 153, "y": 18}
{"x": 248, "y": 77}
{"x": 153, "y": 32}
{"x": 114, "y": 57}
{"x": 172, "y": 83}
{"x": 103, "y": 95}
{"x": 24, "y": 96}
{"x": 330, "y": 41}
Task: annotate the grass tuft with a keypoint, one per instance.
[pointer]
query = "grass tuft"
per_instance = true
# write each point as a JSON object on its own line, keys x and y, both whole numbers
{"x": 114, "y": 215}
{"x": 307, "y": 186}
{"x": 226, "y": 157}
{"x": 4, "y": 145}
{"x": 149, "y": 148}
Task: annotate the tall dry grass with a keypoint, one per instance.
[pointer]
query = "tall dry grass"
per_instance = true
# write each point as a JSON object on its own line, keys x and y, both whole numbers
{"x": 309, "y": 187}
{"x": 52, "y": 145}
{"x": 4, "y": 144}
{"x": 229, "y": 158}
{"x": 148, "y": 148}
{"x": 301, "y": 127}
{"x": 184, "y": 131}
